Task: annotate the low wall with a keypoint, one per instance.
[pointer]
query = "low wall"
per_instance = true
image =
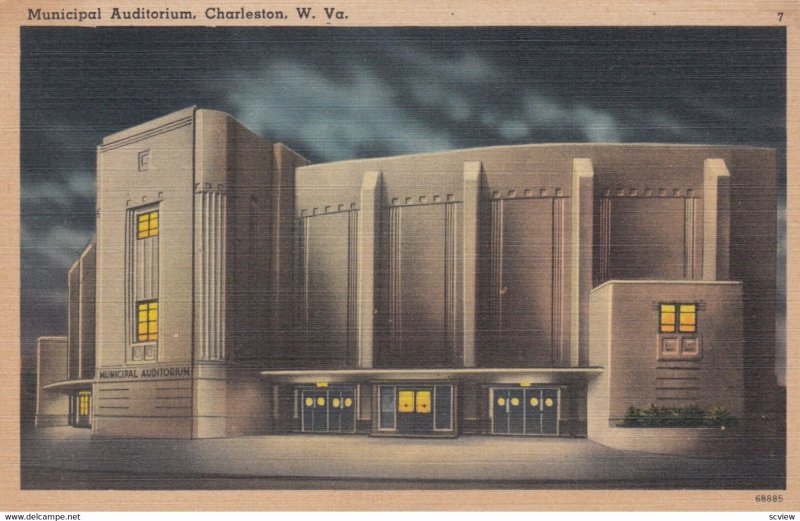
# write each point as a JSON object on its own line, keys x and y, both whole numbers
{"x": 680, "y": 441}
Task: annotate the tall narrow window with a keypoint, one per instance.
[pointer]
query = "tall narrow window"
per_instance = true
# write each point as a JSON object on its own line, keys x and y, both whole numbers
{"x": 387, "y": 401}
{"x": 443, "y": 408}
{"x": 147, "y": 225}
{"x": 147, "y": 321}
{"x": 142, "y": 274}
{"x": 83, "y": 404}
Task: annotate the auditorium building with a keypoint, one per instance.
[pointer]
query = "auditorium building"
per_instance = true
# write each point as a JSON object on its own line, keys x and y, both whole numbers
{"x": 532, "y": 290}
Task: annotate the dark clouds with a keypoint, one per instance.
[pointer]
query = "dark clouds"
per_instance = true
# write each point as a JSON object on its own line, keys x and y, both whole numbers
{"x": 342, "y": 93}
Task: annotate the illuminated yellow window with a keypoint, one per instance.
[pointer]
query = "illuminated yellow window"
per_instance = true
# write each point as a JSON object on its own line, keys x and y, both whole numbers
{"x": 667, "y": 318}
{"x": 688, "y": 318}
{"x": 147, "y": 225}
{"x": 147, "y": 321}
{"x": 405, "y": 401}
{"x": 83, "y": 404}
{"x": 423, "y": 402}
{"x": 681, "y": 318}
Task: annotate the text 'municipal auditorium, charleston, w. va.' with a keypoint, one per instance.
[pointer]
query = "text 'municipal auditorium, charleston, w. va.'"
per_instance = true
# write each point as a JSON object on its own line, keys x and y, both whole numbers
{"x": 235, "y": 289}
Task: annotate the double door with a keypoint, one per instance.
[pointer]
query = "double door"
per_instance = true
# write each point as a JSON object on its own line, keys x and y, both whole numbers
{"x": 525, "y": 410}
{"x": 328, "y": 410}
{"x": 415, "y": 410}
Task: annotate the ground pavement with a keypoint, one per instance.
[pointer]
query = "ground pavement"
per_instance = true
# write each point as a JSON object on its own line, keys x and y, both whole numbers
{"x": 319, "y": 461}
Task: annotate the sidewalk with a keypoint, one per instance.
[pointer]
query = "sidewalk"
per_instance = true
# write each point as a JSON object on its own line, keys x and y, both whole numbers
{"x": 483, "y": 460}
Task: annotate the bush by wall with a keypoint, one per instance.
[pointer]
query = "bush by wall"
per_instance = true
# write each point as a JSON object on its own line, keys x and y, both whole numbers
{"x": 689, "y": 416}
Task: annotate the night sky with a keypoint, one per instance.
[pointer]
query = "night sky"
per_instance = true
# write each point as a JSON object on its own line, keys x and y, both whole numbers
{"x": 334, "y": 94}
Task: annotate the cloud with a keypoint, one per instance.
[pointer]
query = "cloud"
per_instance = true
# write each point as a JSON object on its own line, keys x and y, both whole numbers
{"x": 60, "y": 191}
{"x": 513, "y": 129}
{"x": 336, "y": 118}
{"x": 411, "y": 101}
{"x": 444, "y": 84}
{"x": 58, "y": 244}
{"x": 590, "y": 123}
{"x": 598, "y": 126}
{"x": 439, "y": 96}
{"x": 471, "y": 86}
{"x": 467, "y": 68}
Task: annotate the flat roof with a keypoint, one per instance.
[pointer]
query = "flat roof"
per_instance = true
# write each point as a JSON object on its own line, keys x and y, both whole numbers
{"x": 148, "y": 126}
{"x": 521, "y": 146}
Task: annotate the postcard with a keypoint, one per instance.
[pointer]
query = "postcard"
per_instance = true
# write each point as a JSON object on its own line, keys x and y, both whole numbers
{"x": 391, "y": 250}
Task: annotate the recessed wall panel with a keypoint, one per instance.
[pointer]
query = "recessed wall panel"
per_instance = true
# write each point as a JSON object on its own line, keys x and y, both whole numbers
{"x": 329, "y": 272}
{"x": 522, "y": 284}
{"x": 424, "y": 286}
{"x": 648, "y": 238}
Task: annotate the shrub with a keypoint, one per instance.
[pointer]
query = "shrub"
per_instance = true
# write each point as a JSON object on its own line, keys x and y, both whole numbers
{"x": 719, "y": 417}
{"x": 687, "y": 416}
{"x": 632, "y": 417}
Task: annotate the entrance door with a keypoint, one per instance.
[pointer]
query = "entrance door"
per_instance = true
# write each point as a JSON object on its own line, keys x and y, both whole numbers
{"x": 533, "y": 411}
{"x": 341, "y": 410}
{"x": 549, "y": 411}
{"x": 541, "y": 411}
{"x": 414, "y": 410}
{"x": 525, "y": 411}
{"x": 328, "y": 410}
{"x": 81, "y": 409}
{"x": 315, "y": 411}
{"x": 509, "y": 412}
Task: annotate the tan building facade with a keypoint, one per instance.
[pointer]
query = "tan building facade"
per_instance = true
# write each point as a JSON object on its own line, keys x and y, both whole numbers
{"x": 65, "y": 365}
{"x": 52, "y": 407}
{"x": 515, "y": 290}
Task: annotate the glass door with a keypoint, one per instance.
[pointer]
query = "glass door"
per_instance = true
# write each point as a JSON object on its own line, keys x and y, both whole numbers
{"x": 328, "y": 410}
{"x": 414, "y": 410}
{"x": 530, "y": 411}
{"x": 82, "y": 409}
{"x": 508, "y": 412}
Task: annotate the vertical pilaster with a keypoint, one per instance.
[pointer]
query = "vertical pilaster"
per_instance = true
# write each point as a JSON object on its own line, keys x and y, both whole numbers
{"x": 473, "y": 170}
{"x": 560, "y": 356}
{"x": 716, "y": 220}
{"x": 689, "y": 223}
{"x": 582, "y": 213}
{"x": 210, "y": 296}
{"x": 369, "y": 215}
